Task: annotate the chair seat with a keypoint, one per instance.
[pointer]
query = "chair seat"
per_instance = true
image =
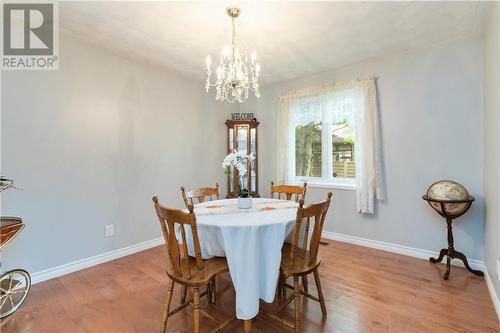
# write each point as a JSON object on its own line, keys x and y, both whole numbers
{"x": 212, "y": 267}
{"x": 301, "y": 264}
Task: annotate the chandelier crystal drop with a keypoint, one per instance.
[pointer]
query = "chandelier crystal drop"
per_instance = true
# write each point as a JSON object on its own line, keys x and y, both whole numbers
{"x": 235, "y": 75}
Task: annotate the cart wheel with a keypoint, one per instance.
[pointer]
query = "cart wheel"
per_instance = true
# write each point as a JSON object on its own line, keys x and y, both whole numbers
{"x": 14, "y": 288}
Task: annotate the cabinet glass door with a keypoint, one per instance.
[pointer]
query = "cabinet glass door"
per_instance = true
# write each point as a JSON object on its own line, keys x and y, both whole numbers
{"x": 242, "y": 138}
{"x": 242, "y": 146}
{"x": 253, "y": 151}
{"x": 230, "y": 150}
{"x": 231, "y": 137}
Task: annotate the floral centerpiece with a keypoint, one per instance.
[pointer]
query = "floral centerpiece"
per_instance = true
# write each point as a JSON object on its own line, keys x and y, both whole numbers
{"x": 240, "y": 161}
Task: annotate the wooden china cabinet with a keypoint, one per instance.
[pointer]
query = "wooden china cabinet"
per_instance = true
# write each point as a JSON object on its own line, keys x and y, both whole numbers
{"x": 242, "y": 135}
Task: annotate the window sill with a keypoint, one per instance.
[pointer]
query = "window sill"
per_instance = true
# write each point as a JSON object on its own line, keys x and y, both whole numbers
{"x": 335, "y": 186}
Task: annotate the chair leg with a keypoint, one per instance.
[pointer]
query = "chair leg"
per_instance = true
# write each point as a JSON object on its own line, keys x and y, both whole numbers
{"x": 214, "y": 289}
{"x": 196, "y": 302}
{"x": 296, "y": 303}
{"x": 320, "y": 292}
{"x": 183, "y": 294}
{"x": 283, "y": 287}
{"x": 209, "y": 291}
{"x": 279, "y": 286}
{"x": 305, "y": 284}
{"x": 168, "y": 299}
{"x": 247, "y": 325}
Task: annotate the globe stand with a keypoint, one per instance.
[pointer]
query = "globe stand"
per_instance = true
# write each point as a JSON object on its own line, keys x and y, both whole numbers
{"x": 450, "y": 252}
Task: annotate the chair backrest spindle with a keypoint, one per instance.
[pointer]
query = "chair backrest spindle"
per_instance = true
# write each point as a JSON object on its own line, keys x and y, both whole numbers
{"x": 289, "y": 191}
{"x": 200, "y": 194}
{"x": 306, "y": 233}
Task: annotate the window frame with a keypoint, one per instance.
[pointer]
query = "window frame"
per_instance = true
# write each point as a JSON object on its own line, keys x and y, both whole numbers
{"x": 327, "y": 181}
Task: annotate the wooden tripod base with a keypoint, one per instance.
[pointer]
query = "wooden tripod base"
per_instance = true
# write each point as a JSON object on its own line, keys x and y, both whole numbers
{"x": 450, "y": 253}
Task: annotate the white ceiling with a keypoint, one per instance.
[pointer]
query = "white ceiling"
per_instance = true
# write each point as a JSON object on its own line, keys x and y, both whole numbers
{"x": 292, "y": 39}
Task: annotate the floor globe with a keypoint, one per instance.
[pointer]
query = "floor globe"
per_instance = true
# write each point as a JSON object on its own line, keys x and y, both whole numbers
{"x": 448, "y": 190}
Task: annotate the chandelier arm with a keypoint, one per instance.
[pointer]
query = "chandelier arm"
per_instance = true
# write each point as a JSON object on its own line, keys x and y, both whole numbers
{"x": 210, "y": 83}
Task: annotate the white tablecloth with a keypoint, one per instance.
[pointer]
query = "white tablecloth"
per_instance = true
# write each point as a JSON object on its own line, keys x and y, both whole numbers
{"x": 251, "y": 240}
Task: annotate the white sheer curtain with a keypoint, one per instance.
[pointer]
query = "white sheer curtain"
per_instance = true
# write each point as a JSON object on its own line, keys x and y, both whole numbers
{"x": 284, "y": 165}
{"x": 367, "y": 153}
{"x": 364, "y": 117}
{"x": 282, "y": 141}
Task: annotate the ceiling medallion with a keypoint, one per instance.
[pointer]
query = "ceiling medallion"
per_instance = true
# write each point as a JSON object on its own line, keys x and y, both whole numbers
{"x": 235, "y": 76}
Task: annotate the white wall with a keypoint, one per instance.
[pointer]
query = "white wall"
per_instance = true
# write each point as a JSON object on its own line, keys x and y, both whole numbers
{"x": 492, "y": 145}
{"x": 431, "y": 120}
{"x": 91, "y": 143}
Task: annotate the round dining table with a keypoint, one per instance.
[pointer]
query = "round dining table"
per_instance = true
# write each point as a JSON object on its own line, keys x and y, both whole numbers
{"x": 251, "y": 240}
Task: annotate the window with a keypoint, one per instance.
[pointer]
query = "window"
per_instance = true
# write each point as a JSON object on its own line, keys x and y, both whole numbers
{"x": 329, "y": 135}
{"x": 323, "y": 136}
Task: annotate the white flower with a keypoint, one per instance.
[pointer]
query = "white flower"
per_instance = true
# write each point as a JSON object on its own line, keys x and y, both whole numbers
{"x": 229, "y": 160}
{"x": 242, "y": 169}
{"x": 240, "y": 154}
{"x": 239, "y": 160}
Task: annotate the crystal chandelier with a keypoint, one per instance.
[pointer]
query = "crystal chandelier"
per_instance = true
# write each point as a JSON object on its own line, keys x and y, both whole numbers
{"x": 236, "y": 77}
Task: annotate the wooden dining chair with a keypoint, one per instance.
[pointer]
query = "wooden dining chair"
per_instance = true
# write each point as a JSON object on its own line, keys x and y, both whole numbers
{"x": 200, "y": 194}
{"x": 185, "y": 270}
{"x": 277, "y": 191}
{"x": 289, "y": 191}
{"x": 299, "y": 261}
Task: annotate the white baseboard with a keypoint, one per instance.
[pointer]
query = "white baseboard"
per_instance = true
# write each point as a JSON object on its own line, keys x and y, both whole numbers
{"x": 54, "y": 272}
{"x": 493, "y": 294}
{"x": 395, "y": 248}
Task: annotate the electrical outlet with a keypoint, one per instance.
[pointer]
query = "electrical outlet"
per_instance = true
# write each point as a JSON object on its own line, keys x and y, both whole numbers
{"x": 109, "y": 230}
{"x": 498, "y": 270}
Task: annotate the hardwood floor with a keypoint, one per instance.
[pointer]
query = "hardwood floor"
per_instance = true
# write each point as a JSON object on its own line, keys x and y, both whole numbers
{"x": 366, "y": 290}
